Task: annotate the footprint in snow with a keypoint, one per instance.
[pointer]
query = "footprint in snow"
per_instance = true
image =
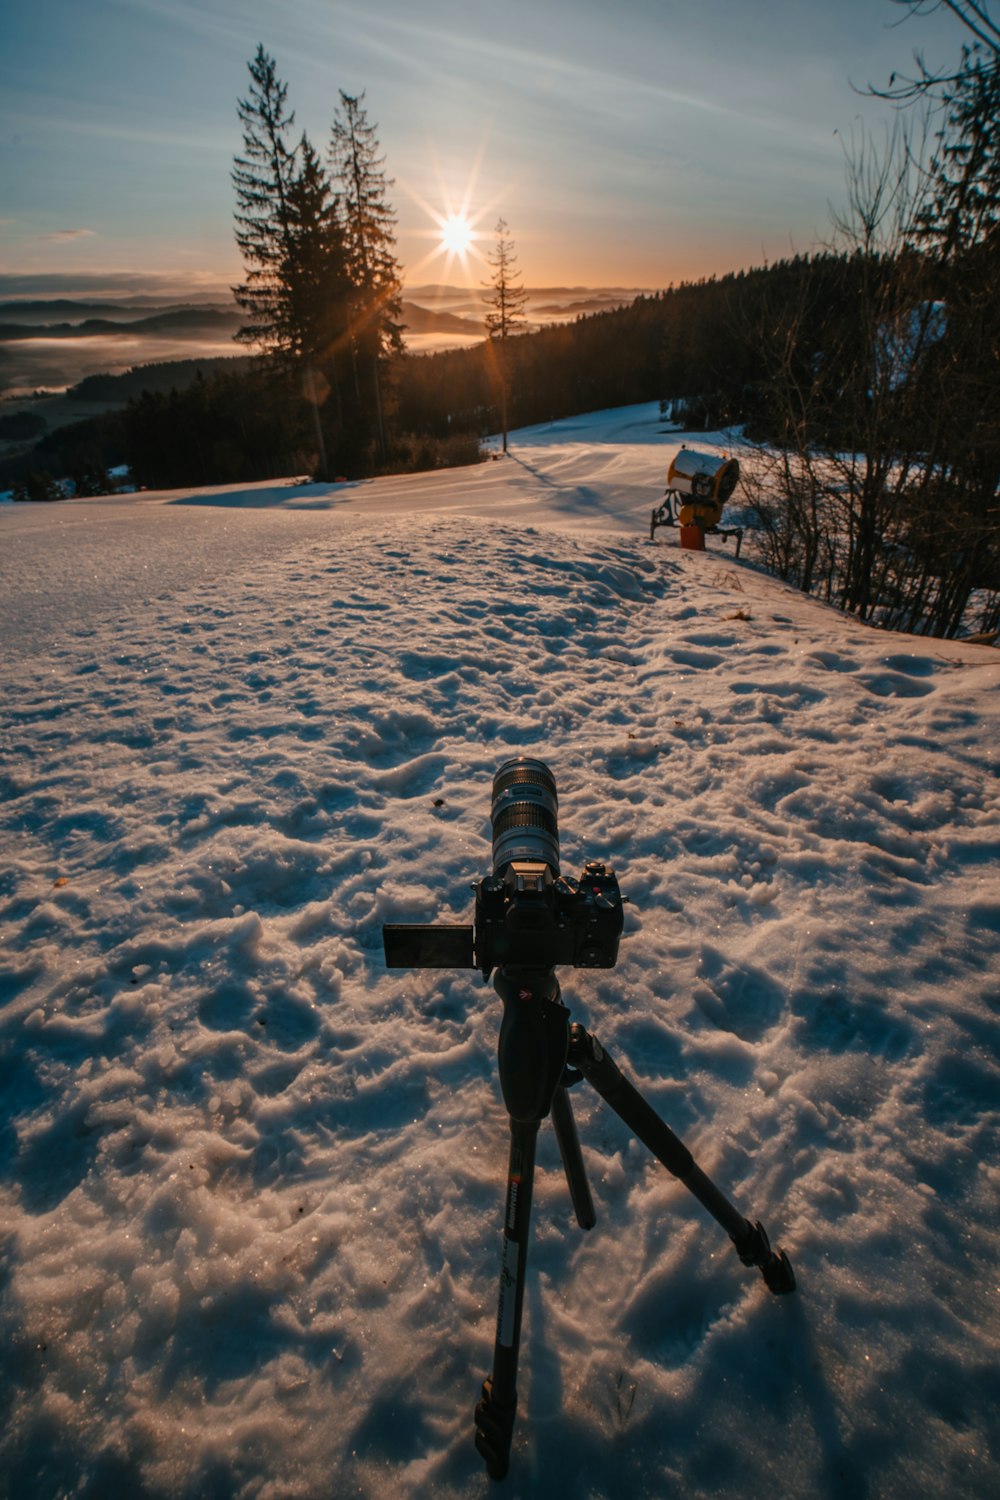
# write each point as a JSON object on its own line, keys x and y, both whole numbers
{"x": 737, "y": 998}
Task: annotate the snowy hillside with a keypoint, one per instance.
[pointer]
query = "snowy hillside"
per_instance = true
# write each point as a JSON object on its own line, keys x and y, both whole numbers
{"x": 251, "y": 1183}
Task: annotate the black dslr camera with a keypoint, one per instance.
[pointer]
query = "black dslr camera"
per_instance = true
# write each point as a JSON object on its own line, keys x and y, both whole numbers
{"x": 528, "y": 916}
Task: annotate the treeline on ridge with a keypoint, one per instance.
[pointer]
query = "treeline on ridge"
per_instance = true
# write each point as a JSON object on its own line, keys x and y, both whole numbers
{"x": 696, "y": 342}
{"x": 222, "y": 421}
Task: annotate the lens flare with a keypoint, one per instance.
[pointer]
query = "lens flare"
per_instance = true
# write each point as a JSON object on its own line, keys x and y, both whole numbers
{"x": 456, "y": 235}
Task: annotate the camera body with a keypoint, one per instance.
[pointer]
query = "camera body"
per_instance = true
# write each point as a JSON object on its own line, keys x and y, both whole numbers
{"x": 527, "y": 917}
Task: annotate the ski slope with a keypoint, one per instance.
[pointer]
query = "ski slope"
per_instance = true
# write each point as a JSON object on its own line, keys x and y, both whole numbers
{"x": 251, "y": 1182}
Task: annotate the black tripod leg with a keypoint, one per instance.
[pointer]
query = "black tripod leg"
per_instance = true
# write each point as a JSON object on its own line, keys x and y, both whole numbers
{"x": 496, "y": 1409}
{"x": 572, "y": 1159}
{"x": 752, "y": 1245}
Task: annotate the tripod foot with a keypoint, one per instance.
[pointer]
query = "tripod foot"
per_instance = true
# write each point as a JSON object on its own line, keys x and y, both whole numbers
{"x": 754, "y": 1249}
{"x": 494, "y": 1431}
{"x": 778, "y": 1274}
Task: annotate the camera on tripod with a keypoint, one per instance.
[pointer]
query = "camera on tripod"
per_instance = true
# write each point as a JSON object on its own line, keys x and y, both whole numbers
{"x": 528, "y": 915}
{"x": 529, "y": 918}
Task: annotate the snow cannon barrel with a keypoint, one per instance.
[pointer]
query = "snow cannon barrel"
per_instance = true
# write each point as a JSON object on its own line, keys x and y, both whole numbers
{"x": 707, "y": 481}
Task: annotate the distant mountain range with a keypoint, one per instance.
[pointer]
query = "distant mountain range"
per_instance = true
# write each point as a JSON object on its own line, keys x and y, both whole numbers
{"x": 51, "y": 344}
{"x": 90, "y": 321}
{"x": 68, "y": 310}
{"x": 426, "y": 309}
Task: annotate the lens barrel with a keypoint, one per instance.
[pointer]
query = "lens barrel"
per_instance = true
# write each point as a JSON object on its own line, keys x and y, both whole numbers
{"x": 525, "y": 814}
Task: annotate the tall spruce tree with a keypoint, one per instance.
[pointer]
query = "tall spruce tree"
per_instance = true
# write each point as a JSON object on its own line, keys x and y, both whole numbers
{"x": 318, "y": 293}
{"x": 960, "y": 228}
{"x": 313, "y": 266}
{"x": 263, "y": 176}
{"x": 505, "y": 312}
{"x": 963, "y": 207}
{"x": 298, "y": 289}
{"x": 959, "y": 233}
{"x": 358, "y": 170}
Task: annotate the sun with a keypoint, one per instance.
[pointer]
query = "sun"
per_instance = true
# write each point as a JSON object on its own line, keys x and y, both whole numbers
{"x": 454, "y": 232}
{"x": 456, "y": 235}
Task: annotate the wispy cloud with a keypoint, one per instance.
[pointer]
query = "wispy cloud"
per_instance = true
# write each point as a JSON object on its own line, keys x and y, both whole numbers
{"x": 132, "y": 132}
{"x": 60, "y": 236}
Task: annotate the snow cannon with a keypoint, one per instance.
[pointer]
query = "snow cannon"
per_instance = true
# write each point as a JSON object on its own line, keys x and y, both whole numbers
{"x": 698, "y": 487}
{"x": 705, "y": 482}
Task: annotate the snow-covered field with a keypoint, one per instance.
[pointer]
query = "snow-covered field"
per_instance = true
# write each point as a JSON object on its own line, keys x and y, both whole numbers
{"x": 251, "y": 1182}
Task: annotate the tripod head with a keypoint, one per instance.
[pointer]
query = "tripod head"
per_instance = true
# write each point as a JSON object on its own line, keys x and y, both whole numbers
{"x": 528, "y": 919}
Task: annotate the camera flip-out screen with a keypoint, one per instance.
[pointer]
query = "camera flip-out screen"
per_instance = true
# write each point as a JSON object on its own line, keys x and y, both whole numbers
{"x": 414, "y": 946}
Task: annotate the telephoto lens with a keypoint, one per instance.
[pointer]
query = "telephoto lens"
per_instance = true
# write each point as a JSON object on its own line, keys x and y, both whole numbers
{"x": 524, "y": 814}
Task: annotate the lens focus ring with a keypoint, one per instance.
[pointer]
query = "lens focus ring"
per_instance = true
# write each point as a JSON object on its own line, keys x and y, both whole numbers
{"x": 524, "y": 814}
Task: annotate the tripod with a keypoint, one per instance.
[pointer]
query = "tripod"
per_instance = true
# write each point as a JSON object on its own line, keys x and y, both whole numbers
{"x": 541, "y": 1055}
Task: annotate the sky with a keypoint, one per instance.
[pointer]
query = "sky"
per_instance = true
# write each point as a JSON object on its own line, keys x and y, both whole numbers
{"x": 630, "y": 145}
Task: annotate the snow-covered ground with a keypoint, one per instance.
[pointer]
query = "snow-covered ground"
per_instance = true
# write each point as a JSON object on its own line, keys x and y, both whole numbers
{"x": 251, "y": 1182}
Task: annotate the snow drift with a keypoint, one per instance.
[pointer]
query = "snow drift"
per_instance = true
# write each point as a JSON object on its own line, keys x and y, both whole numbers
{"x": 252, "y": 1182}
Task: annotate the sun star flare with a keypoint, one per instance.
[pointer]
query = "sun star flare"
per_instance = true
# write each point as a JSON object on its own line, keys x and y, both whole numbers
{"x": 456, "y": 235}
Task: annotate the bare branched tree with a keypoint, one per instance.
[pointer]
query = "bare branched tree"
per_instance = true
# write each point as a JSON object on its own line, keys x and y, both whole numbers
{"x": 929, "y": 84}
{"x": 881, "y": 488}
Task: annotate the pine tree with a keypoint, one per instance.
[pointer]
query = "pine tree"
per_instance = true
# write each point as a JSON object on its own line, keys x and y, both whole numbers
{"x": 317, "y": 290}
{"x": 263, "y": 176}
{"x": 313, "y": 266}
{"x": 964, "y": 203}
{"x": 960, "y": 228}
{"x": 298, "y": 291}
{"x": 369, "y": 235}
{"x": 505, "y": 315}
